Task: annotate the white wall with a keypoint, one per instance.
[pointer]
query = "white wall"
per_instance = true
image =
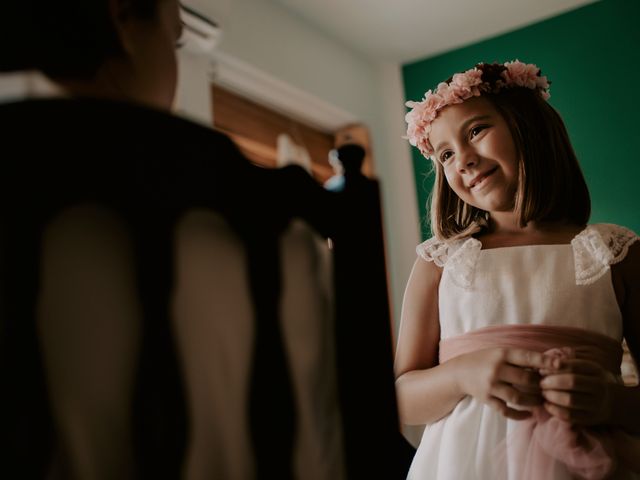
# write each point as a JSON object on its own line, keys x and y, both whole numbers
{"x": 267, "y": 36}
{"x": 277, "y": 42}
{"x": 193, "y": 95}
{"x": 395, "y": 169}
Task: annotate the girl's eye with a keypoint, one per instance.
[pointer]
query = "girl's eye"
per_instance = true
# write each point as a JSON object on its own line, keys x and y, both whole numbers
{"x": 476, "y": 130}
{"x": 446, "y": 155}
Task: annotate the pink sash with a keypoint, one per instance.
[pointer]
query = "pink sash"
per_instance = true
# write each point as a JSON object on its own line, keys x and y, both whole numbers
{"x": 539, "y": 443}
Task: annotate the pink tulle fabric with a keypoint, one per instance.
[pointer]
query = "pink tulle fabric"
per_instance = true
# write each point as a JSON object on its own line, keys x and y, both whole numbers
{"x": 542, "y": 445}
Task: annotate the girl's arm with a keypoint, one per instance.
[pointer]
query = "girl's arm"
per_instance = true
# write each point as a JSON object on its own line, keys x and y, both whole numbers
{"x": 425, "y": 393}
{"x": 428, "y": 391}
{"x": 582, "y": 393}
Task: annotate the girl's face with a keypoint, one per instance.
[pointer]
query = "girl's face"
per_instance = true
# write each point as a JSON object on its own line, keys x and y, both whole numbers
{"x": 474, "y": 146}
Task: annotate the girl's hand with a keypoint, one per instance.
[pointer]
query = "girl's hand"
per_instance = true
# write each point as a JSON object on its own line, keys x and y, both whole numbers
{"x": 503, "y": 378}
{"x": 578, "y": 391}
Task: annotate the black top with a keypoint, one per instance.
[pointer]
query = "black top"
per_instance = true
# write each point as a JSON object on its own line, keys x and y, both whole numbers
{"x": 150, "y": 167}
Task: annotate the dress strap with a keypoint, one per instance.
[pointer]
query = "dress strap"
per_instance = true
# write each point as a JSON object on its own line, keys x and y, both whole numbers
{"x": 598, "y": 247}
{"x": 458, "y": 256}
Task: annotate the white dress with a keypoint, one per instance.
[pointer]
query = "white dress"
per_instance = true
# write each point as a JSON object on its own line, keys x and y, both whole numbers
{"x": 566, "y": 285}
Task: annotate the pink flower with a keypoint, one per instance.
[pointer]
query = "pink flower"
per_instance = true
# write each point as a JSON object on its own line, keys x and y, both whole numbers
{"x": 468, "y": 79}
{"x": 432, "y": 103}
{"x": 542, "y": 83}
{"x": 521, "y": 74}
{"x": 442, "y": 88}
{"x": 421, "y": 115}
{"x": 425, "y": 147}
{"x": 453, "y": 94}
{"x": 462, "y": 86}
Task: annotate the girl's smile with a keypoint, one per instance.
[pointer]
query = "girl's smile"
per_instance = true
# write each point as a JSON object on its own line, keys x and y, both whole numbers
{"x": 482, "y": 179}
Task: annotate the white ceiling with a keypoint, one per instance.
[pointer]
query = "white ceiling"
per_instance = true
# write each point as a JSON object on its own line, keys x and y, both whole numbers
{"x": 405, "y": 30}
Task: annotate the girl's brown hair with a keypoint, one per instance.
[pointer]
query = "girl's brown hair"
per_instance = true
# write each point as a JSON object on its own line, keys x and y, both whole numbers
{"x": 551, "y": 186}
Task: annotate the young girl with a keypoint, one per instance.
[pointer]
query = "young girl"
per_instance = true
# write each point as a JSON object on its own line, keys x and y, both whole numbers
{"x": 510, "y": 343}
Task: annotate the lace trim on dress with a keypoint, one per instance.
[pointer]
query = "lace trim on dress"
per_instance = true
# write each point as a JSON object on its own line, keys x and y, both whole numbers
{"x": 462, "y": 263}
{"x": 598, "y": 247}
{"x": 459, "y": 256}
{"x": 595, "y": 249}
{"x": 434, "y": 250}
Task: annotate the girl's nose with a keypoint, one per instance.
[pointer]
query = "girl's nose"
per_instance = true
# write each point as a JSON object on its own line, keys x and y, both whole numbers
{"x": 466, "y": 159}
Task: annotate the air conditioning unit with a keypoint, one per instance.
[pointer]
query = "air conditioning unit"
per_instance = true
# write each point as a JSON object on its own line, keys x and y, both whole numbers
{"x": 200, "y": 34}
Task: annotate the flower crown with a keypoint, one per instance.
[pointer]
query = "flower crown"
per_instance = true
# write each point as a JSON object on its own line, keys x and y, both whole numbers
{"x": 483, "y": 78}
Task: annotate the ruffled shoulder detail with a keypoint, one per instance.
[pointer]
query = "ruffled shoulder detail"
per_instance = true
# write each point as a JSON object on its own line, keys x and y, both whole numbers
{"x": 434, "y": 250}
{"x": 458, "y": 257}
{"x": 598, "y": 247}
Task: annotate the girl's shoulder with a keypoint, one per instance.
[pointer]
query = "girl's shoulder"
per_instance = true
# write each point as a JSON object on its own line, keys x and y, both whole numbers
{"x": 599, "y": 247}
{"x": 441, "y": 251}
{"x": 605, "y": 243}
{"x": 608, "y": 238}
{"x": 458, "y": 255}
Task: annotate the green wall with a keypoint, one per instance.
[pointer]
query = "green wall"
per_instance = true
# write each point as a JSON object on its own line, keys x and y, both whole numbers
{"x": 592, "y": 57}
